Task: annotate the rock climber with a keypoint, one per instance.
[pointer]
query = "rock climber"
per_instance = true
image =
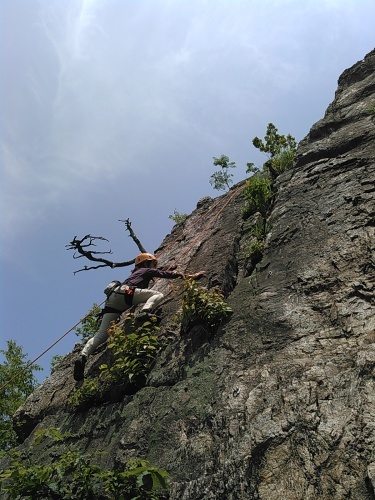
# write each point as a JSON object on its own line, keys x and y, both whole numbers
{"x": 132, "y": 292}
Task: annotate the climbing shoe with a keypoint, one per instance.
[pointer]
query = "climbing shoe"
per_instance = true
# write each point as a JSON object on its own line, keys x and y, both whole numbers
{"x": 79, "y": 368}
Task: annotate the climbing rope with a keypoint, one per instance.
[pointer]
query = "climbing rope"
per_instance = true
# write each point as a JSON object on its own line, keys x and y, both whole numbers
{"x": 30, "y": 363}
{"x": 210, "y": 223}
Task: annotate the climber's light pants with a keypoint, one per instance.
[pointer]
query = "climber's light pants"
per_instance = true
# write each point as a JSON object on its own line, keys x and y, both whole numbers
{"x": 150, "y": 298}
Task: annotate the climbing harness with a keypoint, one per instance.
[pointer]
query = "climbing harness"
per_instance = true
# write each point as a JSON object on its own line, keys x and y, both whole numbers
{"x": 111, "y": 287}
{"x": 122, "y": 289}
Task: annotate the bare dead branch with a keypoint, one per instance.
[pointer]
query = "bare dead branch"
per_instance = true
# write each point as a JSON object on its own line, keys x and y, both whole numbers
{"x": 88, "y": 268}
{"x": 83, "y": 248}
{"x": 132, "y": 234}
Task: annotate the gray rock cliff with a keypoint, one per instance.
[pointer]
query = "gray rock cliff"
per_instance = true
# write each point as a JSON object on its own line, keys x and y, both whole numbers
{"x": 279, "y": 402}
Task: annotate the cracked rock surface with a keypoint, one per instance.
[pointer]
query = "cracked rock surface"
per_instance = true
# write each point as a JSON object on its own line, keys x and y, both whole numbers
{"x": 279, "y": 402}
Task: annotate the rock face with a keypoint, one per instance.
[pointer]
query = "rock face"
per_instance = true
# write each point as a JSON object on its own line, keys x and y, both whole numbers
{"x": 279, "y": 402}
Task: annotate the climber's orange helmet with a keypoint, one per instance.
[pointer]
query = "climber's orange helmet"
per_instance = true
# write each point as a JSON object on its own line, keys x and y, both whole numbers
{"x": 142, "y": 257}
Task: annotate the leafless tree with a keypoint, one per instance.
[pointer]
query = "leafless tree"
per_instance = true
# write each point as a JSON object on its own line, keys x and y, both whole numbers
{"x": 84, "y": 248}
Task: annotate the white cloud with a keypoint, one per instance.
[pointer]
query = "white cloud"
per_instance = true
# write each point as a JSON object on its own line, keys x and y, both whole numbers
{"x": 102, "y": 89}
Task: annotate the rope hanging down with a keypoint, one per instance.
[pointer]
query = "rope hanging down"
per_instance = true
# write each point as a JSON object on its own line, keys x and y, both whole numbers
{"x": 30, "y": 363}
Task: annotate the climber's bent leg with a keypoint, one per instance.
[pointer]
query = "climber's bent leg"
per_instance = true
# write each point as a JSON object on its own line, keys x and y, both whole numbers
{"x": 99, "y": 338}
{"x": 150, "y": 298}
{"x": 101, "y": 335}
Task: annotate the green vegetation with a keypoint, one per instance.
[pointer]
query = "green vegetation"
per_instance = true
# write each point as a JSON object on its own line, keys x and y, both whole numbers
{"x": 16, "y": 383}
{"x": 73, "y": 476}
{"x": 90, "y": 390}
{"x": 258, "y": 232}
{"x": 371, "y": 109}
{"x": 258, "y": 194}
{"x": 280, "y": 150}
{"x": 177, "y": 217}
{"x": 134, "y": 352}
{"x": 203, "y": 304}
{"x": 90, "y": 324}
{"x": 259, "y": 190}
{"x": 222, "y": 179}
{"x": 133, "y": 349}
{"x": 55, "y": 360}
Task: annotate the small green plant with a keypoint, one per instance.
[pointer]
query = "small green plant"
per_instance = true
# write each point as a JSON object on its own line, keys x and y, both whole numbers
{"x": 256, "y": 247}
{"x": 73, "y": 476}
{"x": 258, "y": 195}
{"x": 280, "y": 150}
{"x": 89, "y": 390}
{"x": 90, "y": 324}
{"x": 259, "y": 188}
{"x": 203, "y": 304}
{"x": 222, "y": 179}
{"x": 259, "y": 232}
{"x": 55, "y": 360}
{"x": 177, "y": 217}
{"x": 134, "y": 350}
{"x": 283, "y": 161}
{"x": 371, "y": 109}
{"x": 260, "y": 229}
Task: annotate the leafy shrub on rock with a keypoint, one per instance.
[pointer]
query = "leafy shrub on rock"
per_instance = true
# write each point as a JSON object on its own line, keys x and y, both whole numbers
{"x": 74, "y": 476}
{"x": 258, "y": 194}
{"x": 202, "y": 304}
{"x": 133, "y": 350}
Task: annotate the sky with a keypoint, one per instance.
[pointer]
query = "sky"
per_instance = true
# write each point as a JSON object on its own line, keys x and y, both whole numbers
{"x": 114, "y": 110}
